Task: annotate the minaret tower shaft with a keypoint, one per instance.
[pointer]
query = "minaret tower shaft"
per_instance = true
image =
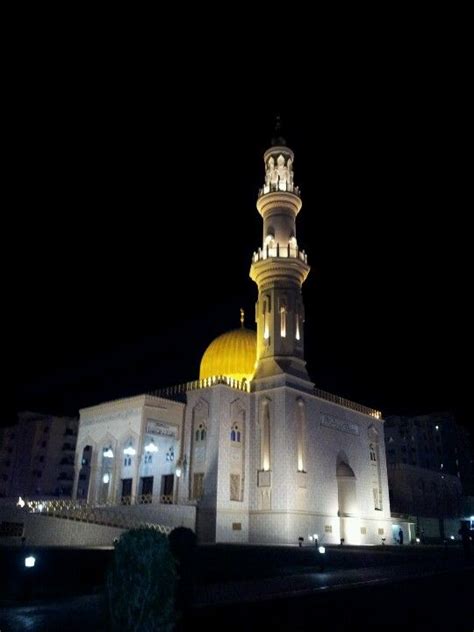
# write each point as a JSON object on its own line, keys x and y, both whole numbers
{"x": 279, "y": 268}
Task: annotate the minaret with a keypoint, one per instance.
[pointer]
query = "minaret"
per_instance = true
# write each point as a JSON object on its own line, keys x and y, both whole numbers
{"x": 279, "y": 268}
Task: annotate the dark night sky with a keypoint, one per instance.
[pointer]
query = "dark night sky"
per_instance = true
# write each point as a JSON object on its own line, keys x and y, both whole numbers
{"x": 133, "y": 223}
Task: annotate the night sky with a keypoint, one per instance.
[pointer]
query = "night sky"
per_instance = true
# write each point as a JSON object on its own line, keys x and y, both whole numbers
{"x": 133, "y": 224}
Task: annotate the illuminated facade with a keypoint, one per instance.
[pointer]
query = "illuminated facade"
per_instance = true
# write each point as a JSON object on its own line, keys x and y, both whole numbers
{"x": 258, "y": 452}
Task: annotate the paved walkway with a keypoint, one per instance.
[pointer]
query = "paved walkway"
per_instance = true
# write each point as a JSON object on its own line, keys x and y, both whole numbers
{"x": 87, "y": 612}
{"x": 301, "y": 584}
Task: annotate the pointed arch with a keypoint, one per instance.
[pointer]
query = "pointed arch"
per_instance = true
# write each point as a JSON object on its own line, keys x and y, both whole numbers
{"x": 374, "y": 460}
{"x": 265, "y": 432}
{"x": 301, "y": 434}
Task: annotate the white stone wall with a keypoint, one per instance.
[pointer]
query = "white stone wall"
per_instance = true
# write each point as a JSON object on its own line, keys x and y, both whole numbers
{"x": 44, "y": 530}
{"x": 278, "y": 505}
{"x": 232, "y": 515}
{"x": 220, "y": 519}
{"x": 114, "y": 424}
{"x": 307, "y": 503}
{"x": 50, "y": 531}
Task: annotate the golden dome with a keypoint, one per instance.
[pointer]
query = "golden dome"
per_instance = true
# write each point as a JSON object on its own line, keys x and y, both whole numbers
{"x": 232, "y": 354}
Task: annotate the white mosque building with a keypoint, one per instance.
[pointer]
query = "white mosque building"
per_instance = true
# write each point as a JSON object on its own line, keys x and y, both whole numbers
{"x": 252, "y": 451}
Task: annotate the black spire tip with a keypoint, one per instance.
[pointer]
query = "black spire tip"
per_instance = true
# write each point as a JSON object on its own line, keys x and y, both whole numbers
{"x": 277, "y": 138}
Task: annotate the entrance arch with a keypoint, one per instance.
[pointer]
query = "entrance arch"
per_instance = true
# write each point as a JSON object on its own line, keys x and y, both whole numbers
{"x": 85, "y": 473}
{"x": 346, "y": 495}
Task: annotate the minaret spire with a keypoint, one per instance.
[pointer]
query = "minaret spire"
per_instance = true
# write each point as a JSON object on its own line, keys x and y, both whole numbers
{"x": 279, "y": 268}
{"x": 242, "y": 317}
{"x": 277, "y": 138}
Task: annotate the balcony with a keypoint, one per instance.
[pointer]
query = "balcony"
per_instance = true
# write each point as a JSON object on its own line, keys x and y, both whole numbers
{"x": 281, "y": 252}
{"x": 281, "y": 185}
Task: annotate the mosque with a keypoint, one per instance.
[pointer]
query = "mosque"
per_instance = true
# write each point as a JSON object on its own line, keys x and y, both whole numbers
{"x": 252, "y": 451}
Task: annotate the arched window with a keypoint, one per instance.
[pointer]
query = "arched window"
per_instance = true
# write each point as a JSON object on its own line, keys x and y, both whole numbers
{"x": 266, "y": 329}
{"x": 265, "y": 436}
{"x": 235, "y": 434}
{"x": 201, "y": 433}
{"x": 283, "y": 321}
{"x": 373, "y": 454}
{"x": 297, "y": 331}
{"x": 301, "y": 434}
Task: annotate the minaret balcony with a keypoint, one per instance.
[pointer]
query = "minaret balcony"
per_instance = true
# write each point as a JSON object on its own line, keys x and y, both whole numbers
{"x": 281, "y": 185}
{"x": 280, "y": 252}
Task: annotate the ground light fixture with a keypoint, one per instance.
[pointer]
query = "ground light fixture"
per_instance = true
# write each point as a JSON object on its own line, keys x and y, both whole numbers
{"x": 322, "y": 557}
{"x": 30, "y": 561}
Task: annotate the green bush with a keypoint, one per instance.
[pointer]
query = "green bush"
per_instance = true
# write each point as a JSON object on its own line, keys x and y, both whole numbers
{"x": 141, "y": 583}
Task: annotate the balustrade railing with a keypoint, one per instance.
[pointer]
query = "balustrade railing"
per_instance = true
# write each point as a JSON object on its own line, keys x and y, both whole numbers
{"x": 172, "y": 392}
{"x": 342, "y": 401}
{"x": 180, "y": 389}
{"x": 281, "y": 185}
{"x": 278, "y": 251}
{"x": 98, "y": 514}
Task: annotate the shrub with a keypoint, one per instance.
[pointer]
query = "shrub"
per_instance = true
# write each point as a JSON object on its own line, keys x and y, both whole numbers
{"x": 182, "y": 544}
{"x": 141, "y": 582}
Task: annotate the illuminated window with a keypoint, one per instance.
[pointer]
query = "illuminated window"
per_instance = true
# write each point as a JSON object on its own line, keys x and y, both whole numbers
{"x": 283, "y": 322}
{"x": 297, "y": 334}
{"x": 266, "y": 312}
{"x": 265, "y": 436}
{"x": 266, "y": 330}
{"x": 301, "y": 435}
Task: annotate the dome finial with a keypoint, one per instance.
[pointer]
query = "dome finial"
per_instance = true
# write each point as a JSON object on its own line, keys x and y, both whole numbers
{"x": 242, "y": 317}
{"x": 277, "y": 139}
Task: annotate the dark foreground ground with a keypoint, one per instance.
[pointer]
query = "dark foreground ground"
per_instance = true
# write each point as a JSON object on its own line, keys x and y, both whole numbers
{"x": 283, "y": 588}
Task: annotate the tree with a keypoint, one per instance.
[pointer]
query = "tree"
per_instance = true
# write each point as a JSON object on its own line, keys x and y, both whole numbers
{"x": 141, "y": 582}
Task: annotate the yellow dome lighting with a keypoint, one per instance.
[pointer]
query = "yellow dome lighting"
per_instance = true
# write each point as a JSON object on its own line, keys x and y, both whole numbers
{"x": 232, "y": 354}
